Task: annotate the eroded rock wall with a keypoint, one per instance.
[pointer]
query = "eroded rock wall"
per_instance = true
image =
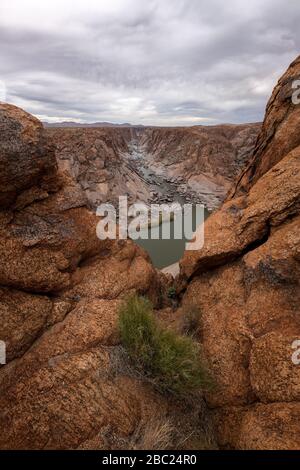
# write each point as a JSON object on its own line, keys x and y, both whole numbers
{"x": 246, "y": 282}
{"x": 198, "y": 160}
{"x": 94, "y": 159}
{"x": 206, "y": 159}
{"x": 279, "y": 135}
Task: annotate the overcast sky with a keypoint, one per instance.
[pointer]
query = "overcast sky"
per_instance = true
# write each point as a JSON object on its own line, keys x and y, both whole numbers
{"x": 159, "y": 62}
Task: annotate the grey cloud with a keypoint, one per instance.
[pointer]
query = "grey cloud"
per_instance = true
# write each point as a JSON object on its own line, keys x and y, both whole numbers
{"x": 171, "y": 62}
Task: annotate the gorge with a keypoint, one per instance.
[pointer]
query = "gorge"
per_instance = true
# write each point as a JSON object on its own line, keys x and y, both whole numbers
{"x": 155, "y": 165}
{"x": 67, "y": 383}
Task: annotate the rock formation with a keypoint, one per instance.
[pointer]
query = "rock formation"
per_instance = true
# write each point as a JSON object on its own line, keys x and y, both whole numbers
{"x": 94, "y": 159}
{"x": 201, "y": 162}
{"x": 279, "y": 134}
{"x": 65, "y": 384}
{"x": 205, "y": 159}
{"x": 245, "y": 280}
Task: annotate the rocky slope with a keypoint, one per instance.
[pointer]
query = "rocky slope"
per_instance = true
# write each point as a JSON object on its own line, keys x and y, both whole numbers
{"x": 94, "y": 159}
{"x": 245, "y": 280}
{"x": 279, "y": 135}
{"x": 66, "y": 383}
{"x": 204, "y": 159}
{"x": 199, "y": 162}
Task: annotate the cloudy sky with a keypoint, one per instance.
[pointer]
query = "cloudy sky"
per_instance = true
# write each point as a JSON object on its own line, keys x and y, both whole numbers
{"x": 159, "y": 62}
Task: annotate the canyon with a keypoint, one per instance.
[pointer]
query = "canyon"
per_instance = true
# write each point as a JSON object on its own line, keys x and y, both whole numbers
{"x": 67, "y": 383}
{"x": 198, "y": 164}
{"x": 193, "y": 165}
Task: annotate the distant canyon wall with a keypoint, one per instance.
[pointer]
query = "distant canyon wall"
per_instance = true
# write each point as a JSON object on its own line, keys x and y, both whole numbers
{"x": 203, "y": 160}
{"x": 208, "y": 158}
{"x": 93, "y": 157}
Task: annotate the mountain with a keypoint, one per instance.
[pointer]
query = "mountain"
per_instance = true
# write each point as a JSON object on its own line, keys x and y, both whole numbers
{"x": 85, "y": 125}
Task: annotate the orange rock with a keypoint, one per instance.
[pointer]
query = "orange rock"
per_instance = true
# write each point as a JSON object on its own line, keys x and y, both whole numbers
{"x": 280, "y": 131}
{"x": 26, "y": 157}
{"x": 259, "y": 427}
{"x": 64, "y": 383}
{"x": 246, "y": 281}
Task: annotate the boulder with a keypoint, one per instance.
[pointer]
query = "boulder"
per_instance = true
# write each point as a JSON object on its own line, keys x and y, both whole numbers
{"x": 26, "y": 158}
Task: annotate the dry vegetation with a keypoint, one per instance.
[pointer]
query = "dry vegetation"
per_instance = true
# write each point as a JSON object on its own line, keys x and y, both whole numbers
{"x": 173, "y": 363}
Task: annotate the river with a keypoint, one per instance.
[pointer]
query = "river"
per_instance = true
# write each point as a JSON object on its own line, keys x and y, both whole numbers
{"x": 163, "y": 252}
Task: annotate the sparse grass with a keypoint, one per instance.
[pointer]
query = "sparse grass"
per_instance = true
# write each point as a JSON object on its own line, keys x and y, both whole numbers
{"x": 138, "y": 330}
{"x": 157, "y": 434}
{"x": 192, "y": 320}
{"x": 173, "y": 363}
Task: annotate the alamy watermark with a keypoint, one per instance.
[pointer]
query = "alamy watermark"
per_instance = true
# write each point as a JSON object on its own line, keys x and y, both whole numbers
{"x": 139, "y": 221}
{"x": 296, "y": 354}
{"x": 2, "y": 353}
{"x": 296, "y": 93}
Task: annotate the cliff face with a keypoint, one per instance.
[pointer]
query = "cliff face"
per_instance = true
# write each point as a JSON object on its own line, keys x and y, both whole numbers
{"x": 206, "y": 159}
{"x": 279, "y": 135}
{"x": 26, "y": 157}
{"x": 94, "y": 159}
{"x": 245, "y": 280}
{"x": 65, "y": 383}
{"x": 203, "y": 161}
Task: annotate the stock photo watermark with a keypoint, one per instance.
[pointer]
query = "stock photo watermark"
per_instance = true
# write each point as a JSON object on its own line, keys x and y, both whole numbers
{"x": 296, "y": 354}
{"x": 2, "y": 353}
{"x": 157, "y": 221}
{"x": 296, "y": 93}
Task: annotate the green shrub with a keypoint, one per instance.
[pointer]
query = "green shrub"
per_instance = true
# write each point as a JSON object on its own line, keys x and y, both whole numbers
{"x": 138, "y": 329}
{"x": 172, "y": 362}
{"x": 171, "y": 292}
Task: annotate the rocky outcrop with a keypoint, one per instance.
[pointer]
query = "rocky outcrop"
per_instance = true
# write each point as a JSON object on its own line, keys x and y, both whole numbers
{"x": 245, "y": 280}
{"x": 279, "y": 135}
{"x": 200, "y": 162}
{"x": 94, "y": 159}
{"x": 66, "y": 383}
{"x": 23, "y": 149}
{"x": 204, "y": 159}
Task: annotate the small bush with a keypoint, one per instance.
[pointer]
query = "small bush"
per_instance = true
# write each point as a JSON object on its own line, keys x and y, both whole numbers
{"x": 138, "y": 329}
{"x": 171, "y": 292}
{"x": 173, "y": 362}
